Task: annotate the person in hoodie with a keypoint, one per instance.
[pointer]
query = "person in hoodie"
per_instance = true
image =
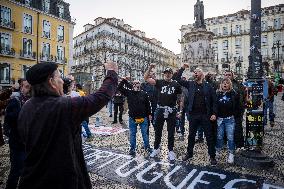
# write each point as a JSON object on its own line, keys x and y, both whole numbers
{"x": 139, "y": 112}
{"x": 17, "y": 151}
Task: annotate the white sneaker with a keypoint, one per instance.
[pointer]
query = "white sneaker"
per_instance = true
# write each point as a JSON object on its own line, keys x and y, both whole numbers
{"x": 231, "y": 158}
{"x": 171, "y": 156}
{"x": 155, "y": 152}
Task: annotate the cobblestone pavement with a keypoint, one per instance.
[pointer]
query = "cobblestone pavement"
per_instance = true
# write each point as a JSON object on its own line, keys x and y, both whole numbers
{"x": 273, "y": 147}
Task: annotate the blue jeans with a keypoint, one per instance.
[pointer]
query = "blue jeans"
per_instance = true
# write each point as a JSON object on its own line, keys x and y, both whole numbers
{"x": 133, "y": 130}
{"x": 86, "y": 127}
{"x": 109, "y": 106}
{"x": 228, "y": 125}
{"x": 268, "y": 104}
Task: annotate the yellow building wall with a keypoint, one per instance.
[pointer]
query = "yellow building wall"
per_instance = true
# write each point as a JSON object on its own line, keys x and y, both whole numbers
{"x": 17, "y": 15}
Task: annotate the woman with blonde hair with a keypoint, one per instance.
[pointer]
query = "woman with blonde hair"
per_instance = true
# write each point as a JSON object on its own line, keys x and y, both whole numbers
{"x": 227, "y": 110}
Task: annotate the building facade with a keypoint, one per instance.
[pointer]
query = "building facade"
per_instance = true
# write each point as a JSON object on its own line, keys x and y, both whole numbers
{"x": 33, "y": 31}
{"x": 231, "y": 41}
{"x": 112, "y": 39}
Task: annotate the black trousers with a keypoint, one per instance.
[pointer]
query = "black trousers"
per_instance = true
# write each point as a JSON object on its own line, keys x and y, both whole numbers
{"x": 117, "y": 106}
{"x": 203, "y": 121}
{"x": 1, "y": 136}
{"x": 153, "y": 110}
{"x": 159, "y": 123}
{"x": 239, "y": 135}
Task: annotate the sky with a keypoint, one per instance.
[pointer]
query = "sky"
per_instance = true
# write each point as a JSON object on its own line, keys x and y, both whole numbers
{"x": 160, "y": 19}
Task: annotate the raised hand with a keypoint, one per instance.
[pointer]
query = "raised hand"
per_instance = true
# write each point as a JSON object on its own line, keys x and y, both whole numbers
{"x": 185, "y": 65}
{"x": 110, "y": 65}
{"x": 152, "y": 66}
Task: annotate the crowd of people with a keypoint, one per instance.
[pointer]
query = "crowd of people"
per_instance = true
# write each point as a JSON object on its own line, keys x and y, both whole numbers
{"x": 44, "y": 115}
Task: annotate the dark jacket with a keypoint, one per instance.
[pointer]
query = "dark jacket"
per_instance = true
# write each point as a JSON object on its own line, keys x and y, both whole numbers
{"x": 151, "y": 91}
{"x": 138, "y": 101}
{"x": 10, "y": 121}
{"x": 50, "y": 128}
{"x": 236, "y": 101}
{"x": 118, "y": 98}
{"x": 210, "y": 94}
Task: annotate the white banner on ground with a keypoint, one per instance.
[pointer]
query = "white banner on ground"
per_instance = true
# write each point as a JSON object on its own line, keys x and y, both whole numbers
{"x": 106, "y": 131}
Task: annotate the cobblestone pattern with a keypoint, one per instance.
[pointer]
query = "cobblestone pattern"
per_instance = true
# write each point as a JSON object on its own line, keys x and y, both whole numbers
{"x": 273, "y": 147}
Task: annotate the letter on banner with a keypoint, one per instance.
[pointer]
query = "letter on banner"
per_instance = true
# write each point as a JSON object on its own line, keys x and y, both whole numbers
{"x": 158, "y": 175}
{"x": 230, "y": 184}
{"x": 99, "y": 156}
{"x": 199, "y": 176}
{"x": 118, "y": 170}
{"x": 269, "y": 186}
{"x": 183, "y": 183}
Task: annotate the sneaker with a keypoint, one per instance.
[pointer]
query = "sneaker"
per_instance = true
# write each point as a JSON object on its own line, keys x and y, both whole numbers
{"x": 213, "y": 162}
{"x": 121, "y": 122}
{"x": 187, "y": 157}
{"x": 110, "y": 115}
{"x": 155, "y": 152}
{"x": 132, "y": 152}
{"x": 272, "y": 123}
{"x": 149, "y": 150}
{"x": 114, "y": 122}
{"x": 231, "y": 158}
{"x": 171, "y": 156}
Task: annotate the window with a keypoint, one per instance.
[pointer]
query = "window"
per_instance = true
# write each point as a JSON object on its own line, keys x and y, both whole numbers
{"x": 5, "y": 16}
{"x": 60, "y": 33}
{"x": 215, "y": 31}
{"x": 4, "y": 73}
{"x": 263, "y": 25}
{"x": 45, "y": 5}
{"x": 264, "y": 52}
{"x": 27, "y": 47}
{"x": 225, "y": 44}
{"x": 238, "y": 42}
{"x": 264, "y": 39}
{"x": 27, "y": 2}
{"x": 225, "y": 31}
{"x": 46, "y": 29}
{"x": 6, "y": 42}
{"x": 238, "y": 29}
{"x": 45, "y": 51}
{"x": 60, "y": 53}
{"x": 24, "y": 71}
{"x": 276, "y": 37}
{"x": 60, "y": 11}
{"x": 277, "y": 23}
{"x": 27, "y": 23}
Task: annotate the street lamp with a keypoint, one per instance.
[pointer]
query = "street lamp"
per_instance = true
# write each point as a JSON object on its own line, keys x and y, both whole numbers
{"x": 276, "y": 62}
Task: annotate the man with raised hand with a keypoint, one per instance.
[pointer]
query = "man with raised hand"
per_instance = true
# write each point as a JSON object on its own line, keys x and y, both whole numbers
{"x": 49, "y": 126}
{"x": 168, "y": 90}
{"x": 201, "y": 110}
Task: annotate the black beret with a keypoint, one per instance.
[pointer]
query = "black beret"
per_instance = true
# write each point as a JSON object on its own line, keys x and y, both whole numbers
{"x": 39, "y": 72}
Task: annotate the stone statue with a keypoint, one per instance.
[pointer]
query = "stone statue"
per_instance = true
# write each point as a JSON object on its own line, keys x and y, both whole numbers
{"x": 199, "y": 14}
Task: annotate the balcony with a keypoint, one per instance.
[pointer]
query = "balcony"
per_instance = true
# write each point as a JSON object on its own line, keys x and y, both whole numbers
{"x": 27, "y": 55}
{"x": 60, "y": 38}
{"x": 27, "y": 29}
{"x": 60, "y": 60}
{"x": 7, "y": 52}
{"x": 46, "y": 58}
{"x": 7, "y": 24}
{"x": 46, "y": 34}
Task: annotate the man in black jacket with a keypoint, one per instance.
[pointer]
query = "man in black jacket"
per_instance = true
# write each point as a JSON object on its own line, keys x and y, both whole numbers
{"x": 17, "y": 152}
{"x": 50, "y": 129}
{"x": 139, "y": 112}
{"x": 201, "y": 110}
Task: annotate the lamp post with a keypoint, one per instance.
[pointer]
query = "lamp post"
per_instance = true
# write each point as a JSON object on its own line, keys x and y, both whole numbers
{"x": 276, "y": 62}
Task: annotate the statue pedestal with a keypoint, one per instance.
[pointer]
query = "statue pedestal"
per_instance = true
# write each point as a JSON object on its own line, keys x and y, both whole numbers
{"x": 197, "y": 50}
